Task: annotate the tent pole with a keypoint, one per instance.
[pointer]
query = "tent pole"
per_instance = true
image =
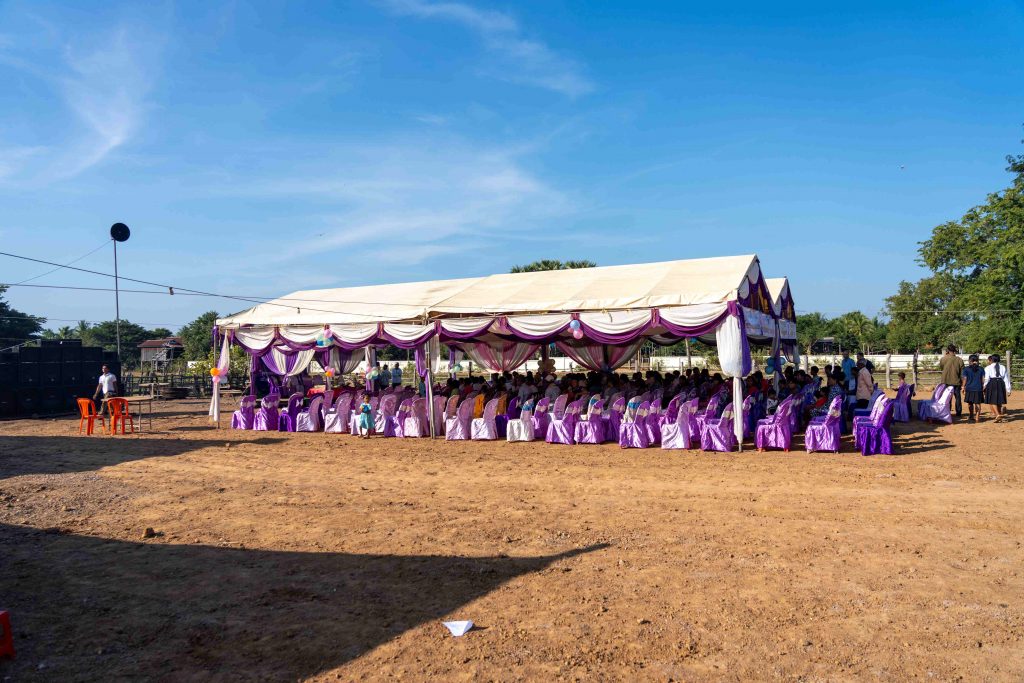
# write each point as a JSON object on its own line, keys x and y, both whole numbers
{"x": 737, "y": 410}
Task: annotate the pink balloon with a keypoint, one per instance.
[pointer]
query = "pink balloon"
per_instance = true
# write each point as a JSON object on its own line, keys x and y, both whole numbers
{"x": 216, "y": 379}
{"x": 577, "y": 334}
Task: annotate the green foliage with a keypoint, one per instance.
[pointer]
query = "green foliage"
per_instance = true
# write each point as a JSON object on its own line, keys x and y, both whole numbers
{"x": 160, "y": 333}
{"x": 975, "y": 294}
{"x": 550, "y": 264}
{"x": 105, "y": 334}
{"x": 15, "y": 326}
{"x": 197, "y": 336}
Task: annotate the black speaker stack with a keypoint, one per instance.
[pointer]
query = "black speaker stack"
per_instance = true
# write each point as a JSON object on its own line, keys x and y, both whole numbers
{"x": 47, "y": 379}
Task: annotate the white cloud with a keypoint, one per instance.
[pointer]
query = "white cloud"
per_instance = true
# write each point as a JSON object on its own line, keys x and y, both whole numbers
{"x": 102, "y": 85}
{"x": 435, "y": 195}
{"x": 520, "y": 59}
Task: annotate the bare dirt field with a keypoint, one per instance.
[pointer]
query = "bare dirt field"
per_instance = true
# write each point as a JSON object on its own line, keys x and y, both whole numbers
{"x": 323, "y": 557}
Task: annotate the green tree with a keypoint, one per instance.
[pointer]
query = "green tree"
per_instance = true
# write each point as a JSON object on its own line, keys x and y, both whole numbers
{"x": 160, "y": 333}
{"x": 550, "y": 264}
{"x": 105, "y": 334}
{"x": 810, "y": 327}
{"x": 17, "y": 327}
{"x": 976, "y": 290}
{"x": 197, "y": 336}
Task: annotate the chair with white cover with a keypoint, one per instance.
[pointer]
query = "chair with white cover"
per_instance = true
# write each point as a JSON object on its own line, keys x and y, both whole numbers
{"x": 336, "y": 418}
{"x": 484, "y": 428}
{"x": 520, "y": 428}
{"x": 458, "y": 428}
{"x": 417, "y": 423}
{"x": 308, "y": 420}
{"x": 439, "y": 415}
{"x": 675, "y": 431}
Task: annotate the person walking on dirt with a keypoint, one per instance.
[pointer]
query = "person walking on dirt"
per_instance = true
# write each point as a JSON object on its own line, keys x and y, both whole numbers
{"x": 952, "y": 367}
{"x": 997, "y": 386}
{"x": 973, "y": 384}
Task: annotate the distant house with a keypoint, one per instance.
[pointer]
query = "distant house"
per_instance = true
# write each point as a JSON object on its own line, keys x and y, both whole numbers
{"x": 826, "y": 346}
{"x": 160, "y": 350}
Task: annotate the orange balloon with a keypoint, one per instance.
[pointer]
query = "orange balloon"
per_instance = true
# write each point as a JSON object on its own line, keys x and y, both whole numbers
{"x": 215, "y": 372}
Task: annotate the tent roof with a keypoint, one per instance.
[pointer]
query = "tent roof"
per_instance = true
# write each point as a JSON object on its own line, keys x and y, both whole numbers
{"x": 628, "y": 287}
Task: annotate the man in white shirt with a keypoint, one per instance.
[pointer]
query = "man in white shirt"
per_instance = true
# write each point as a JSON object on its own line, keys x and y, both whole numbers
{"x": 107, "y": 386}
{"x": 396, "y": 375}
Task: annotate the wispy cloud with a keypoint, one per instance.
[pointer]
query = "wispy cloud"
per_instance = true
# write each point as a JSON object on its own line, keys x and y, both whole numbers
{"x": 520, "y": 59}
{"x": 102, "y": 85}
{"x": 436, "y": 195}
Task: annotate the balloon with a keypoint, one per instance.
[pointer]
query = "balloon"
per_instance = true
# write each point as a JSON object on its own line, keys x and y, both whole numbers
{"x": 329, "y": 372}
{"x": 217, "y": 379}
{"x": 458, "y": 367}
{"x": 575, "y": 324}
{"x": 770, "y": 366}
{"x": 215, "y": 372}
{"x": 328, "y": 333}
{"x": 577, "y": 334}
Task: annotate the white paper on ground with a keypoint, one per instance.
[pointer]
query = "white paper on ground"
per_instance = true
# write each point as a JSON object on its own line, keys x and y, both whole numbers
{"x": 458, "y": 628}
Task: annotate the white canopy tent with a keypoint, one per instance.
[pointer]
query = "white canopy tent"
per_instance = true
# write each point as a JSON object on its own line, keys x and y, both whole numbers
{"x": 723, "y": 300}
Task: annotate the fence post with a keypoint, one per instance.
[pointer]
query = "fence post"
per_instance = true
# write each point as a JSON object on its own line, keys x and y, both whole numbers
{"x": 915, "y": 367}
{"x": 888, "y": 370}
{"x": 1009, "y": 353}
{"x": 689, "y": 360}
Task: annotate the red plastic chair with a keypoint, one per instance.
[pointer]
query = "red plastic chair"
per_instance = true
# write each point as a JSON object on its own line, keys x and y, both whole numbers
{"x": 119, "y": 412}
{"x": 87, "y": 413}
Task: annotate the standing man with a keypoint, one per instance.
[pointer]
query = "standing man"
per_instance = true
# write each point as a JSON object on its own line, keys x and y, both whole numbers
{"x": 396, "y": 375}
{"x": 952, "y": 367}
{"x": 869, "y": 364}
{"x": 383, "y": 377}
{"x": 107, "y": 386}
{"x": 865, "y": 384}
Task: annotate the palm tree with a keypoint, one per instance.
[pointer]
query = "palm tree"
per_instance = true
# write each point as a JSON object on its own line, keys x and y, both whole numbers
{"x": 551, "y": 264}
{"x": 65, "y": 333}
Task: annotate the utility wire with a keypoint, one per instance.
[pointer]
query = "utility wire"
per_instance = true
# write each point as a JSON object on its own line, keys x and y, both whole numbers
{"x": 105, "y": 243}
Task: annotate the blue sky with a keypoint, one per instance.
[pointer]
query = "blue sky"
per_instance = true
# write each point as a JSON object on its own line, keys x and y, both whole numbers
{"x": 260, "y": 148}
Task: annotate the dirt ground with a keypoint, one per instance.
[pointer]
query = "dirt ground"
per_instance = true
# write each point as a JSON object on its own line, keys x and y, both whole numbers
{"x": 323, "y": 557}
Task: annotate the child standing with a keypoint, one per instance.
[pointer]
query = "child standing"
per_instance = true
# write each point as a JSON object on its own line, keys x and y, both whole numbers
{"x": 973, "y": 387}
{"x": 365, "y": 417}
{"x": 997, "y": 386}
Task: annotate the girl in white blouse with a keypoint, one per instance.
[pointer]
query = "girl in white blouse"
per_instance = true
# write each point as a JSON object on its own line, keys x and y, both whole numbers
{"x": 997, "y": 386}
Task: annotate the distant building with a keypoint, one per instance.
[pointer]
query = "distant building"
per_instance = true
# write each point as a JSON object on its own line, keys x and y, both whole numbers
{"x": 826, "y": 346}
{"x": 160, "y": 350}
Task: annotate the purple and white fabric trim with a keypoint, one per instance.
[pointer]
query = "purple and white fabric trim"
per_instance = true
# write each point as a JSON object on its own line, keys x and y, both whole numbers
{"x": 499, "y": 356}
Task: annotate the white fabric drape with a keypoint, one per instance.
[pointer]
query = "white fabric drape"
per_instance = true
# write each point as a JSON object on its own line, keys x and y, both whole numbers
{"x": 223, "y": 365}
{"x": 729, "y": 339}
{"x": 536, "y": 325}
{"x": 301, "y": 334}
{"x": 465, "y": 325}
{"x": 615, "y": 322}
{"x": 352, "y": 361}
{"x": 255, "y": 338}
{"x": 355, "y": 333}
{"x": 692, "y": 316}
{"x": 406, "y": 332}
{"x": 280, "y": 355}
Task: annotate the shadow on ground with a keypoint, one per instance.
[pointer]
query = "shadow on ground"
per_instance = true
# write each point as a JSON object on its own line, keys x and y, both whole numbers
{"x": 21, "y": 455}
{"x": 152, "y": 610}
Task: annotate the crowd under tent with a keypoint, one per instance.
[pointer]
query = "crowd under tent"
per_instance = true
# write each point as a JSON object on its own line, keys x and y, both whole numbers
{"x": 597, "y": 316}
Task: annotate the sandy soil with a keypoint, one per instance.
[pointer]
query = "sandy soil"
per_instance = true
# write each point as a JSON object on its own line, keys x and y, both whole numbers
{"x": 322, "y": 557}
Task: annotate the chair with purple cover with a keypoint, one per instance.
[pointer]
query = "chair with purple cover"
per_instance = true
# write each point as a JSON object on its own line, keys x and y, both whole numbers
{"x": 541, "y": 417}
{"x": 901, "y": 409}
{"x": 613, "y": 417}
{"x": 501, "y": 419}
{"x": 711, "y": 411}
{"x": 386, "y": 422}
{"x": 938, "y": 408}
{"x": 717, "y": 432}
{"x": 748, "y": 407}
{"x": 775, "y": 431}
{"x": 458, "y": 428}
{"x": 675, "y": 431}
{"x": 875, "y": 437}
{"x": 591, "y": 427}
{"x": 671, "y": 411}
{"x": 417, "y": 422}
{"x": 439, "y": 414}
{"x": 559, "y": 406}
{"x": 633, "y": 430}
{"x": 403, "y": 412}
{"x": 521, "y": 428}
{"x": 563, "y": 429}
{"x": 245, "y": 416}
{"x": 336, "y": 418}
{"x": 870, "y": 418}
{"x": 309, "y": 420}
{"x": 286, "y": 420}
{"x": 267, "y": 417}
{"x": 485, "y": 428}
{"x": 824, "y": 433}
